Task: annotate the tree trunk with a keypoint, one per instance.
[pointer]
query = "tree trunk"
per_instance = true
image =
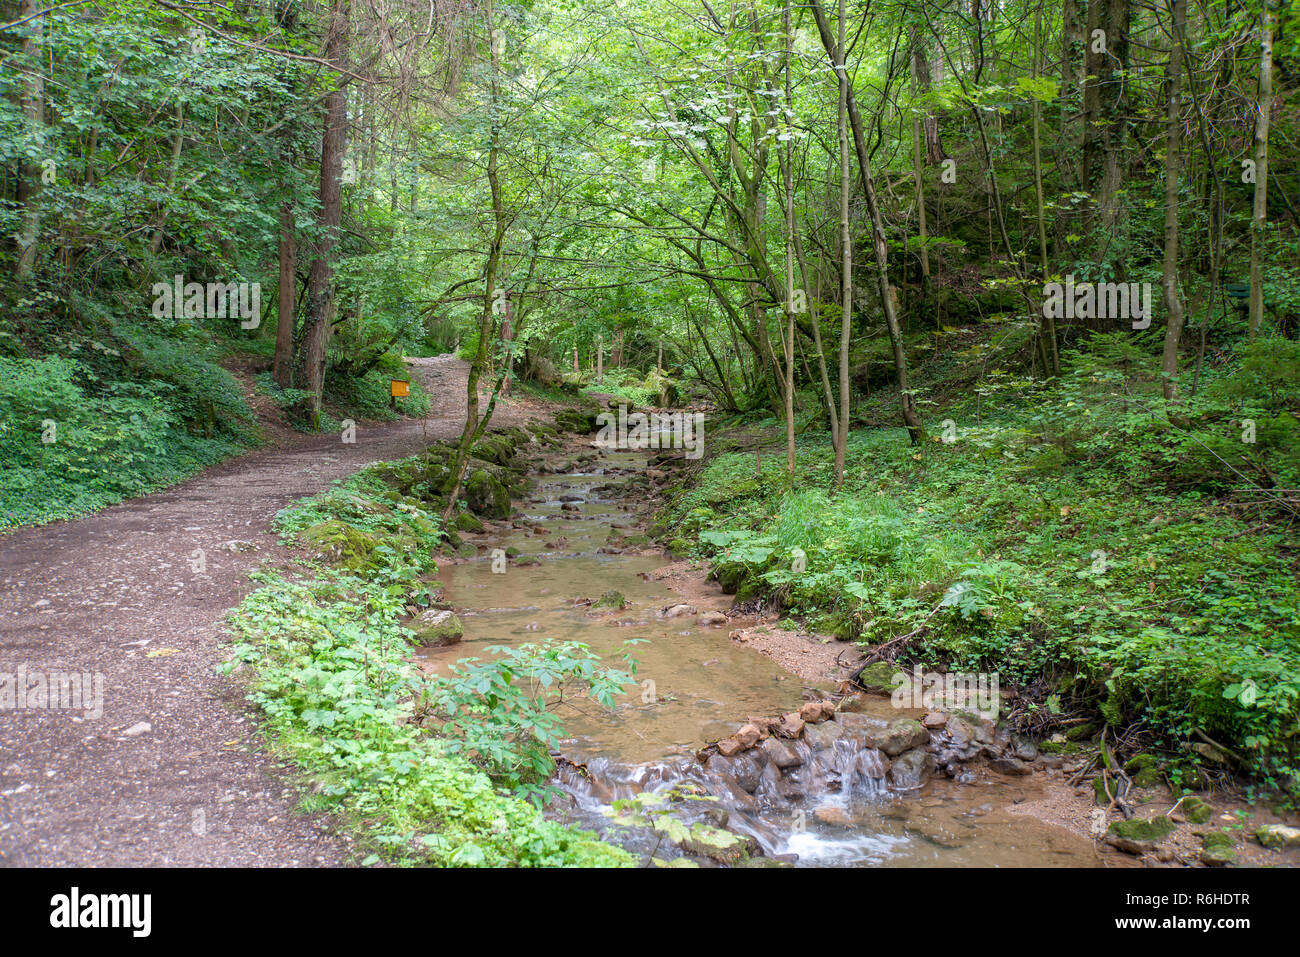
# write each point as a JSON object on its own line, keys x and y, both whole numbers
{"x": 310, "y": 374}
{"x": 31, "y": 103}
{"x": 1259, "y": 218}
{"x": 915, "y": 431}
{"x": 1169, "y": 278}
{"x": 287, "y": 316}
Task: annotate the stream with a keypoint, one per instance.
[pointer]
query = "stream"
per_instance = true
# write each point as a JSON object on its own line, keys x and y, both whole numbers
{"x": 696, "y": 686}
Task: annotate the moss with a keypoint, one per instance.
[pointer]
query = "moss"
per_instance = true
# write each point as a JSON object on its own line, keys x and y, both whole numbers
{"x": 1148, "y": 778}
{"x": 438, "y": 628}
{"x": 1143, "y": 830}
{"x": 1081, "y": 732}
{"x": 878, "y": 678}
{"x": 611, "y": 599}
{"x": 576, "y": 421}
{"x": 1215, "y": 839}
{"x": 1196, "y": 810}
{"x": 486, "y": 495}
{"x": 466, "y": 522}
{"x": 343, "y": 545}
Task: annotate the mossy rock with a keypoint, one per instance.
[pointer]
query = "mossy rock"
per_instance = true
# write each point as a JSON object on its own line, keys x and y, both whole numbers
{"x": 486, "y": 495}
{"x": 1081, "y": 732}
{"x": 1149, "y": 777}
{"x": 576, "y": 420}
{"x": 1196, "y": 810}
{"x": 1215, "y": 839}
{"x": 438, "y": 628}
{"x": 497, "y": 449}
{"x": 1139, "y": 834}
{"x": 878, "y": 678}
{"x": 1219, "y": 857}
{"x": 611, "y": 599}
{"x": 467, "y": 550}
{"x": 1140, "y": 762}
{"x": 513, "y": 552}
{"x": 343, "y": 545}
{"x": 1218, "y": 849}
{"x": 467, "y": 522}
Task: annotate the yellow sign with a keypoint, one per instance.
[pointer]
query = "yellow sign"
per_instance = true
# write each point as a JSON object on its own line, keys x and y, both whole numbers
{"x": 399, "y": 388}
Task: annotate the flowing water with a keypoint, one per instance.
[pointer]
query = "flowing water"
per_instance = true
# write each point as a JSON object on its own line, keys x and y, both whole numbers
{"x": 695, "y": 686}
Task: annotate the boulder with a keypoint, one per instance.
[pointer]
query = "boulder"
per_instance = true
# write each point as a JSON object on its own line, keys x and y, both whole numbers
{"x": 713, "y": 618}
{"x": 1138, "y": 835}
{"x": 435, "y": 627}
{"x": 909, "y": 769}
{"x": 1278, "y": 836}
{"x": 781, "y": 754}
{"x": 878, "y": 678}
{"x": 577, "y": 421}
{"x": 790, "y": 726}
{"x": 486, "y": 495}
{"x": 899, "y": 736}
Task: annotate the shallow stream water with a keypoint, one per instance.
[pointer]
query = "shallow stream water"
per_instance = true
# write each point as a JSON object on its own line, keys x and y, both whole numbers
{"x": 695, "y": 686}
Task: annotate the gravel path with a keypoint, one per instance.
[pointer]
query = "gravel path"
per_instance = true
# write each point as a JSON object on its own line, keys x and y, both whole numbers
{"x": 171, "y": 773}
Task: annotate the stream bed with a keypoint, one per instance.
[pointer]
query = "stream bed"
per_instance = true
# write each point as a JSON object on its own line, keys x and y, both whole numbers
{"x": 697, "y": 686}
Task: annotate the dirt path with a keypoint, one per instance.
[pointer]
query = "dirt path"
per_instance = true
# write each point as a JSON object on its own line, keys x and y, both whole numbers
{"x": 171, "y": 773}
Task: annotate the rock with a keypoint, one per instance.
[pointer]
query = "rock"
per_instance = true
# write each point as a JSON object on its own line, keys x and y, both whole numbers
{"x": 1148, "y": 778}
{"x": 1278, "y": 836}
{"x": 781, "y": 754}
{"x": 1081, "y": 731}
{"x": 899, "y": 736}
{"x": 749, "y": 735}
{"x": 791, "y": 725}
{"x": 576, "y": 421}
{"x": 835, "y": 816}
{"x": 1195, "y": 810}
{"x": 713, "y": 618}
{"x": 909, "y": 769}
{"x": 1218, "y": 857}
{"x": 466, "y": 522}
{"x": 815, "y": 712}
{"x": 1210, "y": 753}
{"x": 435, "y": 627}
{"x": 1138, "y": 835}
{"x": 1008, "y": 764}
{"x": 935, "y": 719}
{"x": 878, "y": 678}
{"x": 486, "y": 495}
{"x": 746, "y": 769}
{"x": 823, "y": 736}
{"x": 1023, "y": 747}
{"x": 611, "y": 599}
{"x": 677, "y": 611}
{"x": 729, "y": 746}
{"x": 139, "y": 728}
{"x": 1218, "y": 850}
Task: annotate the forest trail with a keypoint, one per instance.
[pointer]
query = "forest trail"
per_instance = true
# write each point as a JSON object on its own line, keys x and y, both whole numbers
{"x": 171, "y": 773}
